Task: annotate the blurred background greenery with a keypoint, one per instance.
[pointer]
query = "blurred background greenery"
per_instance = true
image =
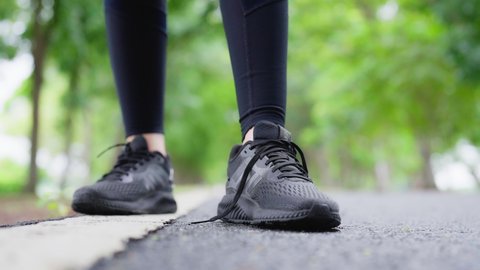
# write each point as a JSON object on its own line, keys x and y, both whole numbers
{"x": 383, "y": 94}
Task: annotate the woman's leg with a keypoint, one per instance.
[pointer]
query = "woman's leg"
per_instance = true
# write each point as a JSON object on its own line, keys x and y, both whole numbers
{"x": 140, "y": 182}
{"x": 257, "y": 35}
{"x": 267, "y": 184}
{"x": 137, "y": 38}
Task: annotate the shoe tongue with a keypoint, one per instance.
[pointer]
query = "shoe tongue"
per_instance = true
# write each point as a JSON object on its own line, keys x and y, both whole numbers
{"x": 266, "y": 130}
{"x": 138, "y": 144}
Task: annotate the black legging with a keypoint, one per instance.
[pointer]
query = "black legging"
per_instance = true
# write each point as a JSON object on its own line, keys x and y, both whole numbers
{"x": 256, "y": 32}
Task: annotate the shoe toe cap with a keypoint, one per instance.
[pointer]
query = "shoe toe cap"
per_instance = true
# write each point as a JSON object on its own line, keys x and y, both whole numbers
{"x": 324, "y": 201}
{"x": 84, "y": 194}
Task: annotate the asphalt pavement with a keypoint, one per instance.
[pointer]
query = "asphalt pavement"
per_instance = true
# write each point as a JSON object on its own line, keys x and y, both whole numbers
{"x": 378, "y": 231}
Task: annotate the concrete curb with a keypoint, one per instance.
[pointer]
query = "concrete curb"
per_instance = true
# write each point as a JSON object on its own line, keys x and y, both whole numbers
{"x": 78, "y": 242}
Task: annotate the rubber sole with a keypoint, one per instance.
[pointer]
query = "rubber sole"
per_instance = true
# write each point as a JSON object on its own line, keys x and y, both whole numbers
{"x": 319, "y": 217}
{"x": 155, "y": 203}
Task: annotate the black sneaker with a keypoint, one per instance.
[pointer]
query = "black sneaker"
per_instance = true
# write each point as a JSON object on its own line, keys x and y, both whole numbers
{"x": 267, "y": 185}
{"x": 139, "y": 183}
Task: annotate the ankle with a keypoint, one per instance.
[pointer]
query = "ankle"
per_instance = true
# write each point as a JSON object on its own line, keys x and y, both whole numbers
{"x": 248, "y": 136}
{"x": 155, "y": 142}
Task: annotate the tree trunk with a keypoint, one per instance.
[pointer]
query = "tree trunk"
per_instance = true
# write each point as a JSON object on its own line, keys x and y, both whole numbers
{"x": 427, "y": 179}
{"x": 382, "y": 175}
{"x": 70, "y": 107}
{"x": 473, "y": 172}
{"x": 324, "y": 167}
{"x": 319, "y": 161}
{"x": 37, "y": 85}
{"x": 88, "y": 142}
{"x": 40, "y": 40}
{"x": 68, "y": 149}
{"x": 38, "y": 52}
{"x": 346, "y": 172}
{"x": 366, "y": 9}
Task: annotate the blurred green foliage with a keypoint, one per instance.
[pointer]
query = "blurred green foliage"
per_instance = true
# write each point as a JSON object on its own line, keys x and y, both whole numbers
{"x": 372, "y": 84}
{"x": 12, "y": 176}
{"x": 463, "y": 21}
{"x": 9, "y": 179}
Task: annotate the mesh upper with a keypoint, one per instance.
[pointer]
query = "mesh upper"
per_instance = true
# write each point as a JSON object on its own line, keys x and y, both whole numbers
{"x": 288, "y": 194}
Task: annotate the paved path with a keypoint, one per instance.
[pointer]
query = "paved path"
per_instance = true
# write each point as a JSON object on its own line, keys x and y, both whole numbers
{"x": 394, "y": 231}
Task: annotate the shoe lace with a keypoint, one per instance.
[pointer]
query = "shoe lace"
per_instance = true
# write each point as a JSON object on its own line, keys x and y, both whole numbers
{"x": 127, "y": 160}
{"x": 282, "y": 154}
